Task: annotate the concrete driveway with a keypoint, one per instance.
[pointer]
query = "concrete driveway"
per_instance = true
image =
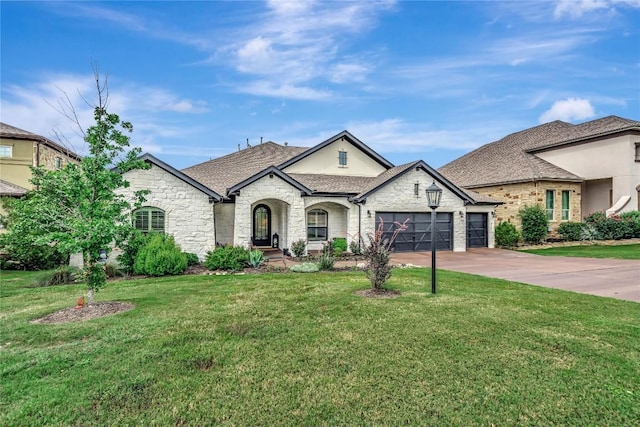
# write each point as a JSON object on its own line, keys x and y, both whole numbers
{"x": 603, "y": 277}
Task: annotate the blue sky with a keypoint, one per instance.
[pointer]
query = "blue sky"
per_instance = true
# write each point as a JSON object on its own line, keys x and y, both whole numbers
{"x": 413, "y": 80}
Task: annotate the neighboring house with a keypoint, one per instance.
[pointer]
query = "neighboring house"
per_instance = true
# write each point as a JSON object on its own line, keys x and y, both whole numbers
{"x": 19, "y": 150}
{"x": 569, "y": 170}
{"x": 272, "y": 195}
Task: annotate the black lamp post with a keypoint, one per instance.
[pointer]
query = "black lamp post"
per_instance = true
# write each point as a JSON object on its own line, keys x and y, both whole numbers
{"x": 434, "y": 193}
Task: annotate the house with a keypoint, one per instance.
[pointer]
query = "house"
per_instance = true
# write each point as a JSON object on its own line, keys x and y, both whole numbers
{"x": 569, "y": 170}
{"x": 19, "y": 150}
{"x": 271, "y": 195}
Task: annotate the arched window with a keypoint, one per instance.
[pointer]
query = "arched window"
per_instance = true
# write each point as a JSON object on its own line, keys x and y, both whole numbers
{"x": 149, "y": 219}
{"x": 317, "y": 220}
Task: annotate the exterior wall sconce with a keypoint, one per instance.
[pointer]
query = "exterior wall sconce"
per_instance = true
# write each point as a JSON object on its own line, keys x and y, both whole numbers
{"x": 461, "y": 214}
{"x": 369, "y": 213}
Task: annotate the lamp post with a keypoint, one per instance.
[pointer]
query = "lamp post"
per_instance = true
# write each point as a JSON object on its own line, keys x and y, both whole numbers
{"x": 434, "y": 193}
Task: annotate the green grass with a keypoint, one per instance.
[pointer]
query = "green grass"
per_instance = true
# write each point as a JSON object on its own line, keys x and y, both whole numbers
{"x": 304, "y": 350}
{"x": 592, "y": 251}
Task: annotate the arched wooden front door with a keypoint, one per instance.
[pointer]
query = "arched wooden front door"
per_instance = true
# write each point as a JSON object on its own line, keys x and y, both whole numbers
{"x": 262, "y": 226}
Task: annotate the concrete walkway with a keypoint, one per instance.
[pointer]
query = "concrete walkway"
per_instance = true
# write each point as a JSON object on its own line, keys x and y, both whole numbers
{"x": 603, "y": 277}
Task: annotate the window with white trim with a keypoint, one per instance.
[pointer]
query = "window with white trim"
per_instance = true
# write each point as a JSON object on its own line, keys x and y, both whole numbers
{"x": 6, "y": 150}
{"x": 149, "y": 219}
{"x": 565, "y": 205}
{"x": 342, "y": 159}
{"x": 317, "y": 220}
{"x": 550, "y": 202}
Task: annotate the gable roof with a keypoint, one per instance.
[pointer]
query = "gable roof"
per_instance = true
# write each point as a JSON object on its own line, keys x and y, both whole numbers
{"x": 12, "y": 190}
{"x": 12, "y": 132}
{"x": 271, "y": 171}
{"x": 342, "y": 135}
{"x": 181, "y": 176}
{"x": 512, "y": 158}
{"x": 392, "y": 174}
{"x": 227, "y": 171}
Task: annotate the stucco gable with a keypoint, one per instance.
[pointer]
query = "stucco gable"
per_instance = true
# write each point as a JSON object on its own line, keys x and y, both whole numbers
{"x": 369, "y": 162}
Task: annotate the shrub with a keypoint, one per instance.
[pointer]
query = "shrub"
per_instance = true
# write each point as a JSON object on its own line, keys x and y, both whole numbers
{"x": 378, "y": 255}
{"x": 255, "y": 258}
{"x": 326, "y": 262}
{"x": 160, "y": 256}
{"x": 571, "y": 231}
{"x": 355, "y": 247}
{"x": 634, "y": 218}
{"x": 338, "y": 252}
{"x": 232, "y": 258}
{"x": 114, "y": 270}
{"x": 339, "y": 243}
{"x": 613, "y": 228}
{"x": 192, "y": 259}
{"x": 589, "y": 232}
{"x": 60, "y": 276}
{"x": 305, "y": 267}
{"x": 507, "y": 235}
{"x": 131, "y": 247}
{"x": 534, "y": 224}
{"x": 24, "y": 253}
{"x": 298, "y": 248}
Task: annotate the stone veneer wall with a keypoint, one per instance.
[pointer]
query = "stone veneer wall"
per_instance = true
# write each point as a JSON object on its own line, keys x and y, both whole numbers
{"x": 224, "y": 213}
{"x": 265, "y": 191}
{"x": 48, "y": 157}
{"x": 188, "y": 212}
{"x": 338, "y": 214}
{"x": 399, "y": 196}
{"x": 517, "y": 196}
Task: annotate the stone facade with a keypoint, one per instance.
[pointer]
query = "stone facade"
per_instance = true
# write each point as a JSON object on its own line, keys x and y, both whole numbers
{"x": 517, "y": 196}
{"x": 189, "y": 215}
{"x": 52, "y": 159}
{"x": 284, "y": 201}
{"x": 399, "y": 196}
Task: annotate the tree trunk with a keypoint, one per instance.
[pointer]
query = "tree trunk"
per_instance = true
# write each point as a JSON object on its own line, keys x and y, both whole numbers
{"x": 90, "y": 296}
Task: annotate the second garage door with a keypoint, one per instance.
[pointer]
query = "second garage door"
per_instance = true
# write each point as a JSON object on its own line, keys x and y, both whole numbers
{"x": 417, "y": 236}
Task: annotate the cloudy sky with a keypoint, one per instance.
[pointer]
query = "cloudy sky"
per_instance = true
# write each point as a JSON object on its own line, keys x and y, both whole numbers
{"x": 413, "y": 80}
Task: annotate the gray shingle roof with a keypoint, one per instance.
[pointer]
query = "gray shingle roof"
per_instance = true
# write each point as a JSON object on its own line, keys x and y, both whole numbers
{"x": 9, "y": 189}
{"x": 225, "y": 172}
{"x": 511, "y": 158}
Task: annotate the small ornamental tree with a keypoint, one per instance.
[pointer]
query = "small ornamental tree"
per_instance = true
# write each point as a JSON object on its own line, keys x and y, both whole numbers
{"x": 77, "y": 208}
{"x": 378, "y": 254}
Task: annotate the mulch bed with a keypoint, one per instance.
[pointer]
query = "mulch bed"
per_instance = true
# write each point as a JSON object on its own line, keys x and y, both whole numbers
{"x": 72, "y": 314}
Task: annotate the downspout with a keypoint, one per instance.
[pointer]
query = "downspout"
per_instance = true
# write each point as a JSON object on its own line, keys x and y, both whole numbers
{"x": 37, "y": 154}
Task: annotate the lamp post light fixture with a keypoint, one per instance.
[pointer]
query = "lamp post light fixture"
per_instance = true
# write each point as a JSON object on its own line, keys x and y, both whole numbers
{"x": 434, "y": 193}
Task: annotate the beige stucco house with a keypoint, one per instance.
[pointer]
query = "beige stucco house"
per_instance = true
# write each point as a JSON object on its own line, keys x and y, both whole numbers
{"x": 569, "y": 170}
{"x": 271, "y": 195}
{"x": 19, "y": 150}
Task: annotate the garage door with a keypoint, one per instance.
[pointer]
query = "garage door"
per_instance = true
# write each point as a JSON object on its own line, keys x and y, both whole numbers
{"x": 417, "y": 236}
{"x": 477, "y": 232}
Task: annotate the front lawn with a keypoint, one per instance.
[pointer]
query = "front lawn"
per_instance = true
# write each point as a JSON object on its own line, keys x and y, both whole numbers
{"x": 592, "y": 251}
{"x": 304, "y": 350}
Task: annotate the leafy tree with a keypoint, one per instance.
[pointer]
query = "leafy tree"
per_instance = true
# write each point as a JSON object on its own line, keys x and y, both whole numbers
{"x": 77, "y": 208}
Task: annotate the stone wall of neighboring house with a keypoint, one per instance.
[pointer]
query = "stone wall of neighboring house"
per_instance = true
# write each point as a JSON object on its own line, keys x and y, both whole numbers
{"x": 188, "y": 212}
{"x": 266, "y": 190}
{"x": 399, "y": 196}
{"x": 517, "y": 196}
{"x": 49, "y": 156}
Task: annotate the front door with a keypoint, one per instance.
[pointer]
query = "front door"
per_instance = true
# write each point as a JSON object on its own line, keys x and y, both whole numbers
{"x": 262, "y": 226}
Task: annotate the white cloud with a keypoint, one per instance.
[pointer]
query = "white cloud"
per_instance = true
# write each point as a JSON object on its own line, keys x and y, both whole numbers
{"x": 286, "y": 91}
{"x": 577, "y": 8}
{"x": 39, "y": 108}
{"x": 568, "y": 110}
